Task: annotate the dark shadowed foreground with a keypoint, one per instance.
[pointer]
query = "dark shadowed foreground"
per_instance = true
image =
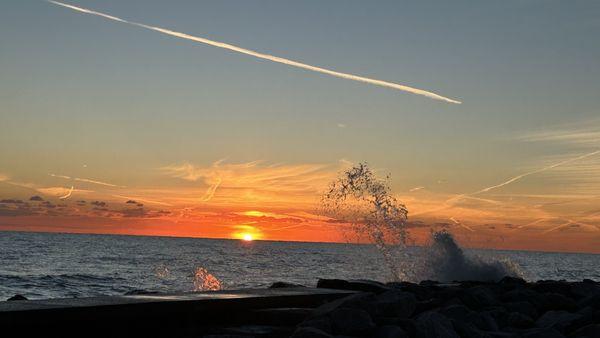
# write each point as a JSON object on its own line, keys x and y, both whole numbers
{"x": 337, "y": 308}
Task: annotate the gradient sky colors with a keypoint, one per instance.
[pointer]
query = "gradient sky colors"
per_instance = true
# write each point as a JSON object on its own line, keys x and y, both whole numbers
{"x": 159, "y": 135}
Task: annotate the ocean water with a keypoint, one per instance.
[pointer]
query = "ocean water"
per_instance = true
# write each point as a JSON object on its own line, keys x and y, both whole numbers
{"x": 43, "y": 265}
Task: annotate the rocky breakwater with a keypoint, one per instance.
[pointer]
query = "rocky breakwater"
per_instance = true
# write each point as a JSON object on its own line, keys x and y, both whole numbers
{"x": 511, "y": 307}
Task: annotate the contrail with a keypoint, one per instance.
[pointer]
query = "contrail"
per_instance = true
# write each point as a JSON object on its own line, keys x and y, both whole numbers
{"x": 86, "y": 180}
{"x": 512, "y": 180}
{"x": 265, "y": 56}
{"x": 68, "y": 194}
{"x": 516, "y": 178}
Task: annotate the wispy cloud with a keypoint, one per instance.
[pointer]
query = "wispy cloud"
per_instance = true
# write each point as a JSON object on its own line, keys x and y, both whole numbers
{"x": 67, "y": 195}
{"x": 257, "y": 181}
{"x": 87, "y": 180}
{"x": 268, "y": 57}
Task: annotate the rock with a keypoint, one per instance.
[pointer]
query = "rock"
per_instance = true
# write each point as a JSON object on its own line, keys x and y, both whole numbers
{"x": 525, "y": 308}
{"x": 590, "y": 331}
{"x": 435, "y": 325}
{"x": 557, "y": 301}
{"x": 483, "y": 321}
{"x": 351, "y": 321}
{"x": 541, "y": 333}
{"x": 390, "y": 331}
{"x": 592, "y": 300}
{"x": 459, "y": 313}
{"x": 321, "y": 323}
{"x": 526, "y": 295}
{"x": 355, "y": 285}
{"x": 279, "y": 316}
{"x": 478, "y": 297}
{"x": 467, "y": 330}
{"x": 395, "y": 303}
{"x": 309, "y": 332}
{"x": 278, "y": 285}
{"x": 358, "y": 300}
{"x": 421, "y": 292}
{"x": 560, "y": 287}
{"x": 557, "y": 319}
{"x": 17, "y": 297}
{"x": 514, "y": 281}
{"x": 499, "y": 314}
{"x": 585, "y": 289}
{"x": 519, "y": 320}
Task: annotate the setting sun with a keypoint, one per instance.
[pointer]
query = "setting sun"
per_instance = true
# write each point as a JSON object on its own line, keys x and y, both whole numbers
{"x": 247, "y": 237}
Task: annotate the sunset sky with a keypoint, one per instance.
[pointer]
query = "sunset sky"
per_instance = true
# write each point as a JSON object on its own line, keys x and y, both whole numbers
{"x": 107, "y": 127}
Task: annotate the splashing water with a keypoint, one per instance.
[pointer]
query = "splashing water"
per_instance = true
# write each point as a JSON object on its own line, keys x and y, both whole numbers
{"x": 205, "y": 281}
{"x": 161, "y": 271}
{"x": 361, "y": 199}
{"x": 364, "y": 201}
{"x": 446, "y": 261}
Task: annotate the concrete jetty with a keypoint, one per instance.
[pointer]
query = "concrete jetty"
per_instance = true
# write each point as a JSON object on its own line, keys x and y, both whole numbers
{"x": 194, "y": 314}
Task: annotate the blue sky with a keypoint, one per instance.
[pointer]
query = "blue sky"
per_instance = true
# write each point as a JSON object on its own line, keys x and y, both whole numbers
{"x": 78, "y": 89}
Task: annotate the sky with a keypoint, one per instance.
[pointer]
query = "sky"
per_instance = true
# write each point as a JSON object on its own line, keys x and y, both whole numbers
{"x": 107, "y": 127}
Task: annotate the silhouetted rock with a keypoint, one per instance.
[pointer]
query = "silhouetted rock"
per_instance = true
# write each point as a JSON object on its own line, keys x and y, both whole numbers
{"x": 525, "y": 308}
{"x": 390, "y": 331}
{"x": 541, "y": 333}
{"x": 519, "y": 320}
{"x": 17, "y": 297}
{"x": 435, "y": 325}
{"x": 395, "y": 304}
{"x": 557, "y": 301}
{"x": 557, "y": 319}
{"x": 351, "y": 321}
{"x": 278, "y": 285}
{"x": 310, "y": 332}
{"x": 593, "y": 301}
{"x": 321, "y": 323}
{"x": 589, "y": 331}
{"x": 355, "y": 285}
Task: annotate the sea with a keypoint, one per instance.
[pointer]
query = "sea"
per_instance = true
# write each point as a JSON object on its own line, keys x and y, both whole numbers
{"x": 52, "y": 265}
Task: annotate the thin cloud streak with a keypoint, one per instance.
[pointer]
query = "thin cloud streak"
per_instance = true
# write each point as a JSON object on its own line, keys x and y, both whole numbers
{"x": 266, "y": 56}
{"x": 516, "y": 178}
{"x": 87, "y": 180}
{"x": 67, "y": 195}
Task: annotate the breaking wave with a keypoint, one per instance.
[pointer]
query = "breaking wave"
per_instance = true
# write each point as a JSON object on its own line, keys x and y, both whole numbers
{"x": 364, "y": 201}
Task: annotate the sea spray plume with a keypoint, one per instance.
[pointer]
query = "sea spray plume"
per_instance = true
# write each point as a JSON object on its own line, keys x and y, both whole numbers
{"x": 359, "y": 198}
{"x": 445, "y": 261}
{"x": 205, "y": 281}
{"x": 265, "y": 56}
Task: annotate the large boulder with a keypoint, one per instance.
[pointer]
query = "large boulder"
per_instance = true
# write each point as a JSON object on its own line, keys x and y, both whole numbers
{"x": 17, "y": 297}
{"x": 390, "y": 331}
{"x": 557, "y": 301}
{"x": 519, "y": 320}
{"x": 351, "y": 321}
{"x": 393, "y": 303}
{"x": 354, "y": 285}
{"x": 279, "y": 285}
{"x": 546, "y": 332}
{"x": 522, "y": 307}
{"x": 435, "y": 325}
{"x": 589, "y": 331}
{"x": 558, "y": 320}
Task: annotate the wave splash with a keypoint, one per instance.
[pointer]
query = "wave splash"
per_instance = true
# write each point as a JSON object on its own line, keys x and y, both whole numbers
{"x": 364, "y": 201}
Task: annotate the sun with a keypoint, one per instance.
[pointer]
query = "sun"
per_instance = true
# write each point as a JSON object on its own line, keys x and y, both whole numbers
{"x": 247, "y": 237}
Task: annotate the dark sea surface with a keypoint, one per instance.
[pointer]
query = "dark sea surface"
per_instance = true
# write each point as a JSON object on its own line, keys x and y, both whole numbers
{"x": 43, "y": 265}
